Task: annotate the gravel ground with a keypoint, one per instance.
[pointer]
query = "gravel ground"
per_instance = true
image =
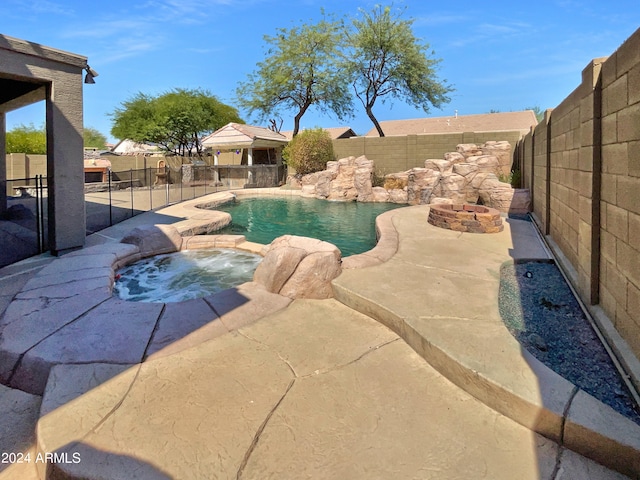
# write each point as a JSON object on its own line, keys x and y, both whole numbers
{"x": 541, "y": 312}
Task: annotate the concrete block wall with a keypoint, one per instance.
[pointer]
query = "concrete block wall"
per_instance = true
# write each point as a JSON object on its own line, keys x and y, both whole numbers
{"x": 399, "y": 153}
{"x": 583, "y": 164}
{"x": 620, "y": 199}
{"x": 20, "y": 165}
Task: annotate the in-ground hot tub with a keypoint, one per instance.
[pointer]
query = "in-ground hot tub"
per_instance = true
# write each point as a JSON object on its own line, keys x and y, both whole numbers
{"x": 466, "y": 218}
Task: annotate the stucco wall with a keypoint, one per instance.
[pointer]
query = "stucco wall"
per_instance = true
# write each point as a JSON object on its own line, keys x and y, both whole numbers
{"x": 582, "y": 163}
{"x": 59, "y": 78}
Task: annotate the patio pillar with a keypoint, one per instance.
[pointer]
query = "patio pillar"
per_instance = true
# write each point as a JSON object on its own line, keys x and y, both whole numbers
{"x": 65, "y": 163}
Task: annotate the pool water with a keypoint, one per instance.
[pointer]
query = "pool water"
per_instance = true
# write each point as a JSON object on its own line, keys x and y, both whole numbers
{"x": 185, "y": 275}
{"x": 348, "y": 225}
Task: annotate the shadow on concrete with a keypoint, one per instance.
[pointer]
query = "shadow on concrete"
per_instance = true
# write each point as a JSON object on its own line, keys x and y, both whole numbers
{"x": 103, "y": 464}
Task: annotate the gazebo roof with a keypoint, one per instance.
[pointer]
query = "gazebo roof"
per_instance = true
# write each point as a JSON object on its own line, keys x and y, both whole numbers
{"x": 236, "y": 135}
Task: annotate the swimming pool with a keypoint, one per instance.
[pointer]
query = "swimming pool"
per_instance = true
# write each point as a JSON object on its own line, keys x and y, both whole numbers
{"x": 348, "y": 225}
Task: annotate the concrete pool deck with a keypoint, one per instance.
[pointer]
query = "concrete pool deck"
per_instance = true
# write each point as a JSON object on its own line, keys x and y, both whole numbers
{"x": 408, "y": 373}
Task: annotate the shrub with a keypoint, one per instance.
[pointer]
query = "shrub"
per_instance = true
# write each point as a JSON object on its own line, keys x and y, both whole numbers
{"x": 309, "y": 151}
{"x": 514, "y": 178}
{"x": 392, "y": 183}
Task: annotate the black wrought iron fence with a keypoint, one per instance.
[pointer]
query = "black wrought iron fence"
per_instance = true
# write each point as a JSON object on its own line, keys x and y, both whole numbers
{"x": 23, "y": 219}
{"x": 130, "y": 192}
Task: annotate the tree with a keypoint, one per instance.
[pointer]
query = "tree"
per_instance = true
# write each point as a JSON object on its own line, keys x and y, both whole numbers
{"x": 176, "y": 120}
{"x": 93, "y": 138}
{"x": 538, "y": 112}
{"x": 302, "y": 70}
{"x": 27, "y": 139}
{"x": 310, "y": 151}
{"x": 386, "y": 59}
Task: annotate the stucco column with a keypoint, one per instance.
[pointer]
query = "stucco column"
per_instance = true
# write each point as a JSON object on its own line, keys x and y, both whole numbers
{"x": 3, "y": 164}
{"x": 65, "y": 165}
{"x": 250, "y": 162}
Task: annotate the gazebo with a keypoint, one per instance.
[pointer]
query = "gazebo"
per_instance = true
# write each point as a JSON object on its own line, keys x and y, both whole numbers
{"x": 246, "y": 145}
{"x": 30, "y": 73}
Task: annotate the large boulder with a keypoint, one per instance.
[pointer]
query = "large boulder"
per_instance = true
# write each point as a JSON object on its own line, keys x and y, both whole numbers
{"x": 421, "y": 184}
{"x": 443, "y": 166}
{"x": 468, "y": 150}
{"x": 324, "y": 179}
{"x": 154, "y": 239}
{"x": 308, "y": 184}
{"x": 502, "y": 152}
{"x": 363, "y": 179}
{"x": 398, "y": 195}
{"x": 503, "y": 197}
{"x": 343, "y": 187}
{"x": 299, "y": 267}
{"x": 346, "y": 179}
{"x": 379, "y": 194}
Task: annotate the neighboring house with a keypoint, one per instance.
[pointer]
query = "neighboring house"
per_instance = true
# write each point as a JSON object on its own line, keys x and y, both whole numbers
{"x": 487, "y": 122}
{"x": 334, "y": 132}
{"x": 129, "y": 147}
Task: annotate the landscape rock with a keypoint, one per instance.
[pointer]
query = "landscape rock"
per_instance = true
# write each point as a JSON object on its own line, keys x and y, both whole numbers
{"x": 154, "y": 239}
{"x": 299, "y": 267}
{"x": 502, "y": 151}
{"x": 468, "y": 175}
{"x": 379, "y": 194}
{"x": 468, "y": 150}
{"x": 398, "y": 196}
{"x": 363, "y": 179}
{"x": 422, "y": 182}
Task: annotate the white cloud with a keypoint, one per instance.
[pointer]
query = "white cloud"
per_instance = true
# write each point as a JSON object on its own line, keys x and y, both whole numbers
{"x": 441, "y": 19}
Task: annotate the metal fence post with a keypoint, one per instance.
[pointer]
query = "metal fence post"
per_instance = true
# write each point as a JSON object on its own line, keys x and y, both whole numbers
{"x": 109, "y": 174}
{"x": 167, "y": 172}
{"x": 38, "y": 212}
{"x": 131, "y": 188}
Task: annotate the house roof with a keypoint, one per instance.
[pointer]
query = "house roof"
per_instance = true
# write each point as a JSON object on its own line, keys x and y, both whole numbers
{"x": 237, "y": 135}
{"x": 129, "y": 147}
{"x": 486, "y": 122}
{"x": 334, "y": 132}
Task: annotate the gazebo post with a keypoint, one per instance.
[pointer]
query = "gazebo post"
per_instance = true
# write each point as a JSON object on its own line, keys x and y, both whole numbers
{"x": 216, "y": 161}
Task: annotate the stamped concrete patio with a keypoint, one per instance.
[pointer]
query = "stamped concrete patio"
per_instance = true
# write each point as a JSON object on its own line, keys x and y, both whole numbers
{"x": 396, "y": 377}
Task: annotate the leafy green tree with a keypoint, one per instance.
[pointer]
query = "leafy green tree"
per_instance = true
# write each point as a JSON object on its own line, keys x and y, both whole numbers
{"x": 386, "y": 59}
{"x": 539, "y": 113}
{"x": 27, "y": 139}
{"x": 309, "y": 151}
{"x": 93, "y": 138}
{"x": 176, "y": 120}
{"x": 302, "y": 69}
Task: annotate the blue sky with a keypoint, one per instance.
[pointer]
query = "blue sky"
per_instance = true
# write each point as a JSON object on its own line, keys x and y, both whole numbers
{"x": 498, "y": 55}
